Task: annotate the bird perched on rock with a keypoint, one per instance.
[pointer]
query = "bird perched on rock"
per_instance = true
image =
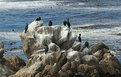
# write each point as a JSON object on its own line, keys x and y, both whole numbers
{"x": 86, "y": 44}
{"x": 26, "y": 27}
{"x": 65, "y": 23}
{"x": 50, "y": 23}
{"x": 68, "y": 23}
{"x": 85, "y": 50}
{"x": 38, "y": 19}
{"x": 79, "y": 38}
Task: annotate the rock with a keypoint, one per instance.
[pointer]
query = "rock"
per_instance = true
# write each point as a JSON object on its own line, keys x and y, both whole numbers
{"x": 73, "y": 55}
{"x": 98, "y": 46}
{"x": 63, "y": 74}
{"x": 16, "y": 62}
{"x": 39, "y": 74}
{"x": 86, "y": 51}
{"x": 66, "y": 66}
{"x": 29, "y": 71}
{"x": 74, "y": 66}
{"x": 53, "y": 47}
{"x": 90, "y": 59}
{"x": 76, "y": 46}
{"x": 34, "y": 25}
{"x": 47, "y": 70}
{"x": 60, "y": 58}
{"x": 29, "y": 46}
{"x": 109, "y": 66}
{"x": 69, "y": 42}
{"x": 1, "y": 53}
{"x": 84, "y": 70}
{"x": 99, "y": 54}
{"x": 55, "y": 37}
{"x": 1, "y": 45}
{"x": 2, "y": 50}
{"x": 65, "y": 56}
{"x": 5, "y": 71}
{"x": 44, "y": 58}
{"x": 55, "y": 69}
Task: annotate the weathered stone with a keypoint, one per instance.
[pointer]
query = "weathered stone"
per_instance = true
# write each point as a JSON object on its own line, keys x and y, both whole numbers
{"x": 39, "y": 74}
{"x": 53, "y": 47}
{"x": 1, "y": 53}
{"x": 60, "y": 58}
{"x": 16, "y": 62}
{"x": 1, "y": 45}
{"x": 5, "y": 71}
{"x": 90, "y": 59}
{"x": 99, "y": 54}
{"x": 85, "y": 70}
{"x": 29, "y": 71}
{"x": 76, "y": 46}
{"x": 109, "y": 65}
{"x": 98, "y": 46}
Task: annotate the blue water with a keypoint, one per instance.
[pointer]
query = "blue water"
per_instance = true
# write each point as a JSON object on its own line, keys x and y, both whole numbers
{"x": 79, "y": 12}
{"x": 14, "y": 14}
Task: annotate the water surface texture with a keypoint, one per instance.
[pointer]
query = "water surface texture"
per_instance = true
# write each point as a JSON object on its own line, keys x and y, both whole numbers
{"x": 14, "y": 14}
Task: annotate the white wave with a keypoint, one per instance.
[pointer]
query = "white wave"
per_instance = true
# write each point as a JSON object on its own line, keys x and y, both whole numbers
{"x": 26, "y": 4}
{"x": 9, "y": 36}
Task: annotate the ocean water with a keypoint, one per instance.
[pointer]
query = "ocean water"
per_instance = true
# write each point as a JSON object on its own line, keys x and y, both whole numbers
{"x": 14, "y": 14}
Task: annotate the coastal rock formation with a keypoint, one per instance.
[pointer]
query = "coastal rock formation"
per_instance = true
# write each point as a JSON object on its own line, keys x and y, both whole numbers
{"x": 16, "y": 62}
{"x": 98, "y": 46}
{"x": 9, "y": 66}
{"x": 53, "y": 51}
{"x": 1, "y": 50}
{"x": 109, "y": 66}
{"x": 55, "y": 37}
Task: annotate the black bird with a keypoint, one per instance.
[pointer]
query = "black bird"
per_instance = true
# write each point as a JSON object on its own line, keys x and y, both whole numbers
{"x": 79, "y": 38}
{"x": 68, "y": 23}
{"x": 50, "y": 23}
{"x": 46, "y": 49}
{"x": 65, "y": 23}
{"x": 38, "y": 19}
{"x": 26, "y": 27}
{"x": 86, "y": 44}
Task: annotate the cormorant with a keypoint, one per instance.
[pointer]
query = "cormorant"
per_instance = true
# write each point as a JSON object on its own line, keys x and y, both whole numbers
{"x": 79, "y": 38}
{"x": 50, "y": 23}
{"x": 68, "y": 23}
{"x": 38, "y": 19}
{"x": 86, "y": 44}
{"x": 64, "y": 23}
{"x": 26, "y": 27}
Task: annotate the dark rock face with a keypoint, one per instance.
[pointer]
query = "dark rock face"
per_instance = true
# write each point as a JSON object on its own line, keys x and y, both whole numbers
{"x": 1, "y": 50}
{"x": 9, "y": 66}
{"x": 16, "y": 62}
{"x": 109, "y": 66}
{"x": 98, "y": 46}
{"x": 64, "y": 57}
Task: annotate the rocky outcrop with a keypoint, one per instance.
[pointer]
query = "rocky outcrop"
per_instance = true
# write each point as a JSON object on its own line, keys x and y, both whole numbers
{"x": 55, "y": 37}
{"x": 2, "y": 50}
{"x": 16, "y": 62}
{"x": 98, "y": 46}
{"x": 54, "y": 52}
{"x": 109, "y": 66}
{"x": 9, "y": 66}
